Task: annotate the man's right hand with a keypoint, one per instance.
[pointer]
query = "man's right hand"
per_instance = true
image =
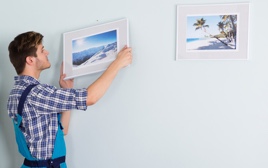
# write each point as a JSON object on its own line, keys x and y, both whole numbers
{"x": 124, "y": 57}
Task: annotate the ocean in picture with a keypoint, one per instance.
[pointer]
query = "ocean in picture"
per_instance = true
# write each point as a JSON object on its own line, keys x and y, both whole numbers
{"x": 188, "y": 40}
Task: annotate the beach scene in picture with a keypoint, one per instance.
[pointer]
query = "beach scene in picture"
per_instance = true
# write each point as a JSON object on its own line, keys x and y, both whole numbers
{"x": 94, "y": 49}
{"x": 212, "y": 32}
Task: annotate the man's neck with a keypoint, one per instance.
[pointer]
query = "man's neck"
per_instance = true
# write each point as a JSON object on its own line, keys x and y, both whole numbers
{"x": 33, "y": 74}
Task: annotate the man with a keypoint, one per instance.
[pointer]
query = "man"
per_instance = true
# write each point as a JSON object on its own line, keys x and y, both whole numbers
{"x": 41, "y": 112}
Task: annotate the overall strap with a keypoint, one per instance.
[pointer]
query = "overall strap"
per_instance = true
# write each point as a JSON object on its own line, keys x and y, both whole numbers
{"x": 20, "y": 139}
{"x": 50, "y": 163}
{"x": 23, "y": 98}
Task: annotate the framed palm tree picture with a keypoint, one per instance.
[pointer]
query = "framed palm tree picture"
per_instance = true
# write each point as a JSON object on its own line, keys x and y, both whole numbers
{"x": 218, "y": 31}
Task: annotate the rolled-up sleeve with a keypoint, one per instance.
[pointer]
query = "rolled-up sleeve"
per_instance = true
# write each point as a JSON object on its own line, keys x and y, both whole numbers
{"x": 48, "y": 99}
{"x": 81, "y": 99}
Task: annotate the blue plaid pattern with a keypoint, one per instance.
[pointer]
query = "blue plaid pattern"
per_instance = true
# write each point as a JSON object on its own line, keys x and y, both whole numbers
{"x": 39, "y": 116}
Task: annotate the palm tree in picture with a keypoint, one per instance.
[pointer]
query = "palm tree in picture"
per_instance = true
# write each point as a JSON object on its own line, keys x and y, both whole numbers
{"x": 231, "y": 20}
{"x": 200, "y": 24}
{"x": 222, "y": 30}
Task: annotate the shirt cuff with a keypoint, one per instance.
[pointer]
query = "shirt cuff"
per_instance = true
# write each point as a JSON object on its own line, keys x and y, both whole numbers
{"x": 81, "y": 99}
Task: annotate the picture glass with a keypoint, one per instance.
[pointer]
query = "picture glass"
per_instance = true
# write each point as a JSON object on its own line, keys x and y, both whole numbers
{"x": 94, "y": 49}
{"x": 211, "y": 32}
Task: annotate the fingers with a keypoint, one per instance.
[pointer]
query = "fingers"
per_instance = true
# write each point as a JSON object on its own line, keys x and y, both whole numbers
{"x": 63, "y": 76}
{"x": 124, "y": 57}
{"x": 126, "y": 49}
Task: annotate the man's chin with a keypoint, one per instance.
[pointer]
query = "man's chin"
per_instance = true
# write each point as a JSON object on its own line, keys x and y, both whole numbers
{"x": 47, "y": 67}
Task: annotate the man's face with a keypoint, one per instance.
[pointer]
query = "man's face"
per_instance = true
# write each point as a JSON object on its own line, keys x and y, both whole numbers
{"x": 42, "y": 61}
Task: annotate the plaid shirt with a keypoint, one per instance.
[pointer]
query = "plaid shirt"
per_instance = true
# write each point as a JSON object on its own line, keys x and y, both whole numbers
{"x": 39, "y": 115}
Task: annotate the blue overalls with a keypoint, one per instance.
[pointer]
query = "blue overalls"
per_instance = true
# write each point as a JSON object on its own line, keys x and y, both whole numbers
{"x": 58, "y": 156}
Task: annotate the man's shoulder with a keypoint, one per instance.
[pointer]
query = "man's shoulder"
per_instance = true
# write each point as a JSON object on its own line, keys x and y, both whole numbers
{"x": 25, "y": 80}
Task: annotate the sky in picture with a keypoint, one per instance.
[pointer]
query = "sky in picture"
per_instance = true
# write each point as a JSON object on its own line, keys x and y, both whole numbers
{"x": 211, "y": 20}
{"x": 93, "y": 41}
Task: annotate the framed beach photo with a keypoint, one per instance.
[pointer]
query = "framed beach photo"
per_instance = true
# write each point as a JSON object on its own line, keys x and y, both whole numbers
{"x": 92, "y": 49}
{"x": 217, "y": 31}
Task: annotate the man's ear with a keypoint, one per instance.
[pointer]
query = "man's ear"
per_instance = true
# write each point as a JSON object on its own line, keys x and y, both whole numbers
{"x": 29, "y": 60}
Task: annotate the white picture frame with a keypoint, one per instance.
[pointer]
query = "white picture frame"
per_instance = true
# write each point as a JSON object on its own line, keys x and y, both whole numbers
{"x": 199, "y": 23}
{"x": 92, "y": 49}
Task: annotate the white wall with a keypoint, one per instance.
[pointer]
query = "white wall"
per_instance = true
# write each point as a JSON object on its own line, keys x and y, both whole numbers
{"x": 158, "y": 112}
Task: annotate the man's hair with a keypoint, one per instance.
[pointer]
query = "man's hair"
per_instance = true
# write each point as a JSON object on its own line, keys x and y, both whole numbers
{"x": 21, "y": 47}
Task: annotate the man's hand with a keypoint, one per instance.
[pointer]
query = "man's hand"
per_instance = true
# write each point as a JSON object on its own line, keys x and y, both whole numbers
{"x": 65, "y": 83}
{"x": 124, "y": 57}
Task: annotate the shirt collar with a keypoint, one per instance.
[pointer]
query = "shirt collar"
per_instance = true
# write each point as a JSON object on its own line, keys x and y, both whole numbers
{"x": 27, "y": 79}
